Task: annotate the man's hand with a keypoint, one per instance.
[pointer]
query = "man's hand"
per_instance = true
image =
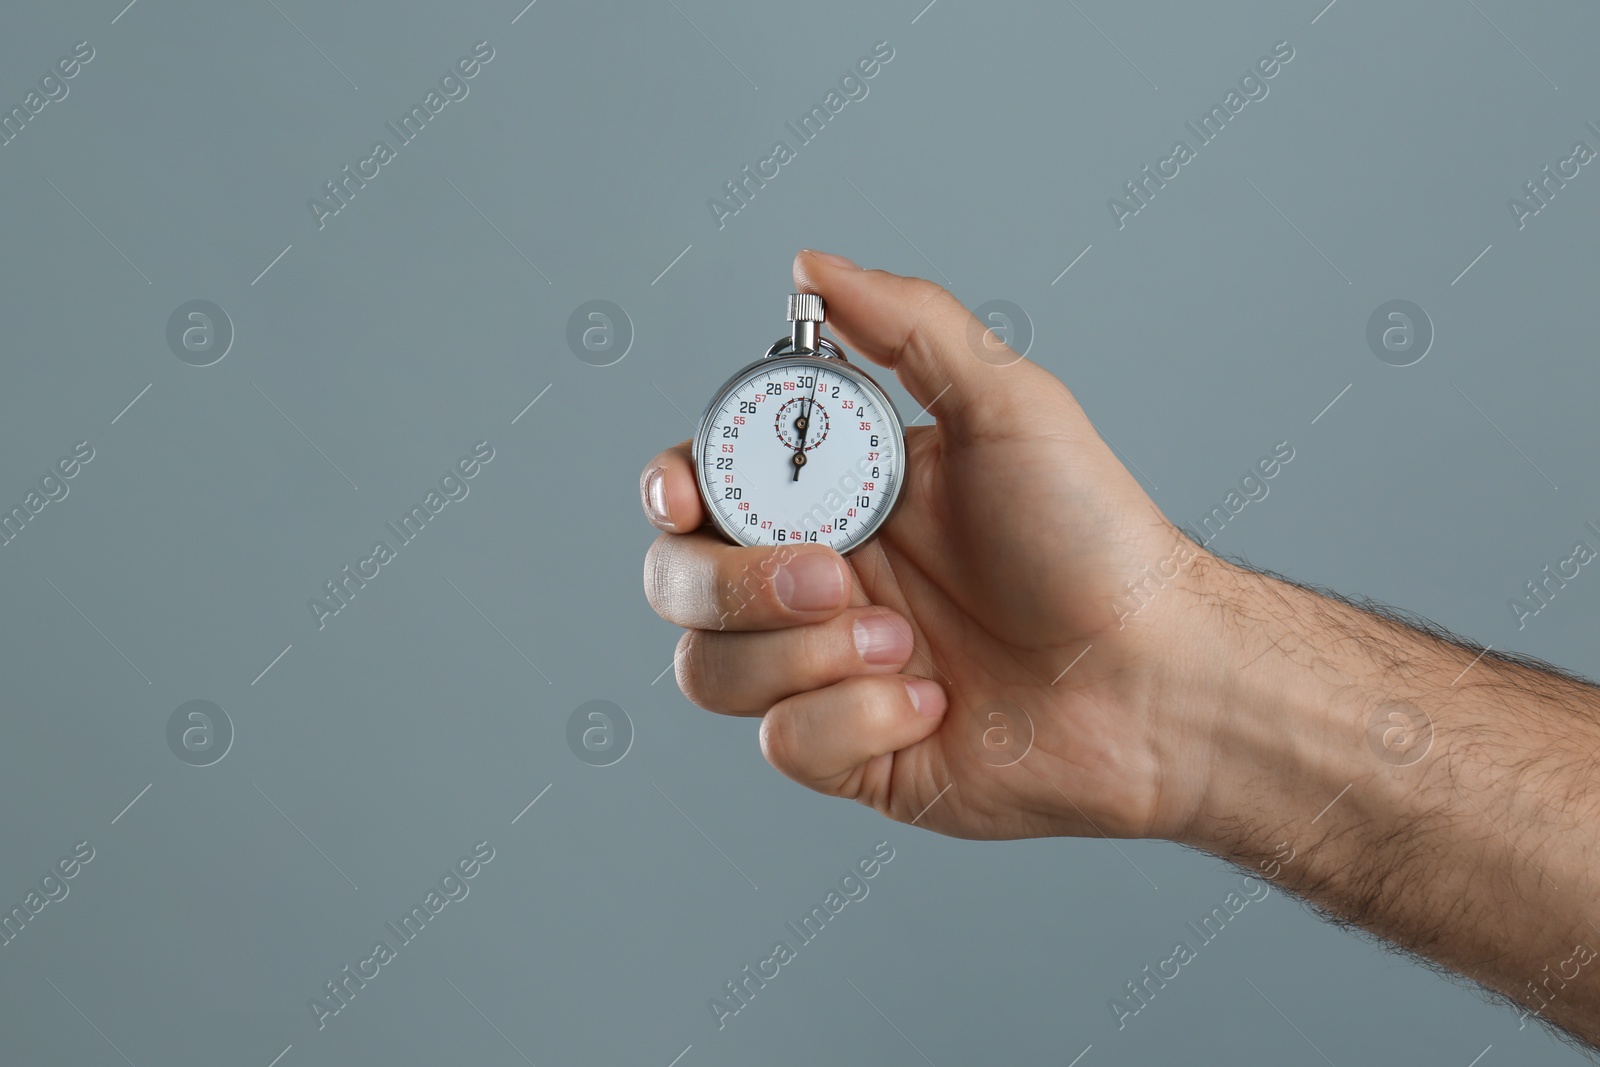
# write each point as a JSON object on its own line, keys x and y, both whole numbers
{"x": 903, "y": 674}
{"x": 1027, "y": 589}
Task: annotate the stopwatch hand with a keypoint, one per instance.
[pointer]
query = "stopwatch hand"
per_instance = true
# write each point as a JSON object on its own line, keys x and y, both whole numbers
{"x": 803, "y": 424}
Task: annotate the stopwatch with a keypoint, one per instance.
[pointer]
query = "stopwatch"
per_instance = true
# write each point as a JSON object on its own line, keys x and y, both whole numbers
{"x": 801, "y": 446}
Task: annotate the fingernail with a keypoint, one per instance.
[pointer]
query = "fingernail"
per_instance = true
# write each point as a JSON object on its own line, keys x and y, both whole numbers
{"x": 811, "y": 581}
{"x": 882, "y": 638}
{"x": 833, "y": 260}
{"x": 655, "y": 496}
{"x": 926, "y": 696}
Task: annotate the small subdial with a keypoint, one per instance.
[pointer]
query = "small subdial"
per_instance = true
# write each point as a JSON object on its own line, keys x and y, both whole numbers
{"x": 790, "y": 427}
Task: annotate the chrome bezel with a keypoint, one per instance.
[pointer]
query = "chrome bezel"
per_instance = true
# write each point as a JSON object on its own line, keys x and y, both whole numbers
{"x": 842, "y": 366}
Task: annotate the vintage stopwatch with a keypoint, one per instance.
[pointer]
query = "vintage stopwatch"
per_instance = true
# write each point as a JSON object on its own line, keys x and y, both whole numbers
{"x": 800, "y": 445}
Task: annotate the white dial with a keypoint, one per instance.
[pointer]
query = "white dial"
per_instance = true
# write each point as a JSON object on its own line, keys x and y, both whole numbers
{"x": 800, "y": 448}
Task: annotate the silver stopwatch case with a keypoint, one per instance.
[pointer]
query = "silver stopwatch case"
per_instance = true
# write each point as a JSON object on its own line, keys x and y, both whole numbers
{"x": 813, "y": 349}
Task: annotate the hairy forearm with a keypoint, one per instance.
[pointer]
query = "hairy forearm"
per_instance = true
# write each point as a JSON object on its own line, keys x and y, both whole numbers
{"x": 1427, "y": 794}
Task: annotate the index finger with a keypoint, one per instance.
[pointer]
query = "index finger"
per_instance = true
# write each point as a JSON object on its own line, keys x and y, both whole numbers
{"x": 701, "y": 582}
{"x": 668, "y": 491}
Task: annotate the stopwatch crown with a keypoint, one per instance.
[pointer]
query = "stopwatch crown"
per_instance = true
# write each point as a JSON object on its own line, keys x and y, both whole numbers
{"x": 805, "y": 307}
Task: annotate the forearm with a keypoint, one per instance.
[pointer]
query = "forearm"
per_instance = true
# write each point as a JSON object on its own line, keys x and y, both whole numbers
{"x": 1435, "y": 798}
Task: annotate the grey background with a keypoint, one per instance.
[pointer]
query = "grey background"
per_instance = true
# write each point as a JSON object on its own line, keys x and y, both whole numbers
{"x": 406, "y": 330}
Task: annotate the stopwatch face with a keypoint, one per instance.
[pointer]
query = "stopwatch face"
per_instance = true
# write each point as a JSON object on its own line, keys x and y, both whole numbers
{"x": 800, "y": 448}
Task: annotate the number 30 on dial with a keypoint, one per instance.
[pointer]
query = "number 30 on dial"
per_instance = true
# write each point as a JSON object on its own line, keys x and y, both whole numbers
{"x": 800, "y": 447}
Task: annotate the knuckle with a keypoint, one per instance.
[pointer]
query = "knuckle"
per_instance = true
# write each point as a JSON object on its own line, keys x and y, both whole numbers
{"x": 745, "y": 582}
{"x": 889, "y": 700}
{"x": 688, "y": 666}
{"x": 923, "y": 290}
{"x": 707, "y": 674}
{"x": 820, "y": 650}
{"x": 933, "y": 302}
{"x": 679, "y": 580}
{"x": 778, "y": 740}
{"x": 657, "y": 583}
{"x": 873, "y": 700}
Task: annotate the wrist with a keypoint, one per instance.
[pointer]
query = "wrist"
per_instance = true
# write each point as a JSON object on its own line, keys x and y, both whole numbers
{"x": 1318, "y": 766}
{"x": 1284, "y": 729}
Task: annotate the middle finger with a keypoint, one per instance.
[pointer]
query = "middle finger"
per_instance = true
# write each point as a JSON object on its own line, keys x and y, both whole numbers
{"x": 747, "y": 673}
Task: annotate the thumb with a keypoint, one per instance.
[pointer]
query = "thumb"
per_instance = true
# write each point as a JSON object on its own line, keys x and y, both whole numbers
{"x": 942, "y": 354}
